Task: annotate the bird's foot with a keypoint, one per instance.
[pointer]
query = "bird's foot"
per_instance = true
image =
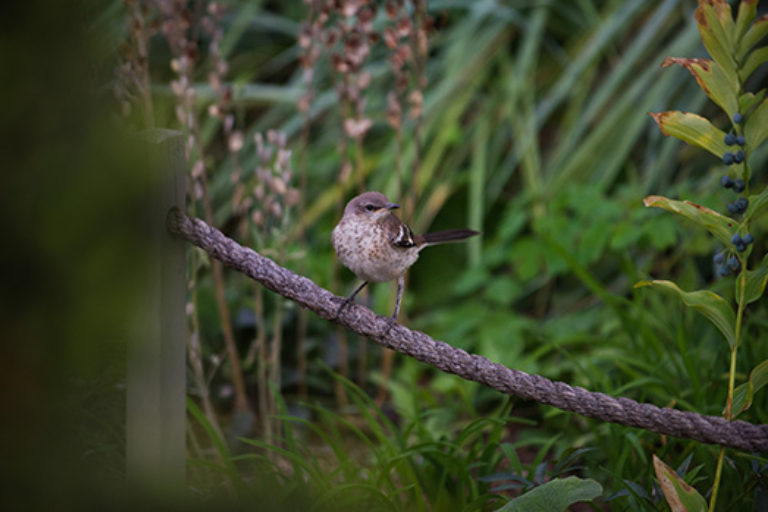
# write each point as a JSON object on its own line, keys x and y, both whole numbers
{"x": 345, "y": 303}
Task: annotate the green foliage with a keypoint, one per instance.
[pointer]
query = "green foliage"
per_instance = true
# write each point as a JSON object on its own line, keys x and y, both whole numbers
{"x": 533, "y": 131}
{"x": 556, "y": 495}
{"x": 744, "y": 394}
{"x": 723, "y": 80}
{"x": 680, "y": 496}
{"x": 708, "y": 303}
{"x": 693, "y": 129}
{"x": 407, "y": 465}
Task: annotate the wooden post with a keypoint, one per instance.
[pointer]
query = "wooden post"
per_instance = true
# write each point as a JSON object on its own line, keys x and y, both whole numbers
{"x": 156, "y": 374}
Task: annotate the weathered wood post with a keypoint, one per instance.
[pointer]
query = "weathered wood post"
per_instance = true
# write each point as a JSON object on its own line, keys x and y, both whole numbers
{"x": 155, "y": 416}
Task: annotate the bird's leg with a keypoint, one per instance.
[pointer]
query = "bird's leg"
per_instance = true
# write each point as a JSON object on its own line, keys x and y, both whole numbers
{"x": 357, "y": 290}
{"x": 349, "y": 299}
{"x": 400, "y": 284}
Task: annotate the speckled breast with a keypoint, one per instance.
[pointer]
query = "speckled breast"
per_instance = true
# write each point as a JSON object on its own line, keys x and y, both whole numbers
{"x": 366, "y": 251}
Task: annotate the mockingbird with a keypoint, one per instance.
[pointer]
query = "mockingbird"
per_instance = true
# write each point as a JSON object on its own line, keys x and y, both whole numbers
{"x": 377, "y": 246}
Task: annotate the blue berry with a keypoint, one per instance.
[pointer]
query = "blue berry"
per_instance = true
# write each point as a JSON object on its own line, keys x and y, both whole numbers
{"x": 726, "y": 181}
{"x": 736, "y": 239}
{"x": 741, "y": 246}
{"x": 730, "y": 139}
{"x": 739, "y": 185}
{"x": 748, "y": 238}
{"x": 738, "y": 206}
{"x": 740, "y": 156}
{"x": 737, "y": 118}
{"x": 728, "y": 158}
{"x": 723, "y": 271}
{"x": 733, "y": 263}
{"x": 719, "y": 258}
{"x": 740, "y": 140}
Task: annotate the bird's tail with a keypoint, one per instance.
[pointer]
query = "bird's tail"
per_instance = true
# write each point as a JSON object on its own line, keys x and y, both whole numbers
{"x": 449, "y": 235}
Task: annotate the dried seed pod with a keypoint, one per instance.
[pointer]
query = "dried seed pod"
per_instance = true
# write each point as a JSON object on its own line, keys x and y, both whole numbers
{"x": 235, "y": 142}
{"x": 416, "y": 100}
{"x": 292, "y": 197}
{"x": 357, "y": 128}
{"x": 198, "y": 169}
{"x": 258, "y": 218}
{"x": 277, "y": 185}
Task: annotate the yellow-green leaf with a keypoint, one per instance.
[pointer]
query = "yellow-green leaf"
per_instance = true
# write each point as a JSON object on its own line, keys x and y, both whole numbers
{"x": 693, "y": 129}
{"x": 743, "y": 395}
{"x": 721, "y": 88}
{"x": 555, "y": 496}
{"x": 746, "y": 13}
{"x": 754, "y": 60}
{"x": 756, "y": 32}
{"x": 756, "y": 127}
{"x": 748, "y": 100}
{"x": 680, "y": 496}
{"x": 715, "y": 25}
{"x": 720, "y": 226}
{"x": 754, "y": 283}
{"x": 757, "y": 203}
{"x": 709, "y": 304}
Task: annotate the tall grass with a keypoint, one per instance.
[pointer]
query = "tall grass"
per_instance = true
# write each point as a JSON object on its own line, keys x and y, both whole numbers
{"x": 534, "y": 131}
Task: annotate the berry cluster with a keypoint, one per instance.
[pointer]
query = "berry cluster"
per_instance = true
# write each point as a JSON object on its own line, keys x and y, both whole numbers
{"x": 737, "y": 185}
{"x": 734, "y": 158}
{"x": 739, "y": 206}
{"x": 731, "y": 139}
{"x": 725, "y": 268}
{"x": 727, "y": 262}
{"x": 740, "y": 243}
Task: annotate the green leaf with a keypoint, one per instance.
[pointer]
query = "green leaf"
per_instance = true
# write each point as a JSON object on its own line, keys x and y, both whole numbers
{"x": 716, "y": 29}
{"x": 680, "y": 496}
{"x": 743, "y": 395}
{"x": 747, "y": 12}
{"x": 754, "y": 61}
{"x": 555, "y": 495}
{"x": 757, "y": 203}
{"x": 756, "y": 32}
{"x": 721, "y": 88}
{"x": 528, "y": 255}
{"x": 711, "y": 305}
{"x": 748, "y": 100}
{"x": 693, "y": 129}
{"x": 756, "y": 127}
{"x": 719, "y": 225}
{"x": 755, "y": 283}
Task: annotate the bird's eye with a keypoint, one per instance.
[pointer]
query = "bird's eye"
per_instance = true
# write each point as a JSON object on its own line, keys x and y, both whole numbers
{"x": 370, "y": 207}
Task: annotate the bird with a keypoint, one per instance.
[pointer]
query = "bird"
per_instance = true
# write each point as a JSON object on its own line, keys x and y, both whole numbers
{"x": 377, "y": 246}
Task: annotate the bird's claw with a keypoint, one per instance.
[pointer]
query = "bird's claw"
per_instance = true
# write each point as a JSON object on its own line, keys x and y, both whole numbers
{"x": 344, "y": 303}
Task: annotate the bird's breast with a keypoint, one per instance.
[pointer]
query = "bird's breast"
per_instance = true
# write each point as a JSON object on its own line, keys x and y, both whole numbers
{"x": 366, "y": 250}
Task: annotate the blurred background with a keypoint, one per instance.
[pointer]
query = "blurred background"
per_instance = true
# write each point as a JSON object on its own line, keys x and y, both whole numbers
{"x": 525, "y": 120}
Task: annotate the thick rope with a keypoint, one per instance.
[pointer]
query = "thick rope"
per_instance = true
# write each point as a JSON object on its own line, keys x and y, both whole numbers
{"x": 388, "y": 333}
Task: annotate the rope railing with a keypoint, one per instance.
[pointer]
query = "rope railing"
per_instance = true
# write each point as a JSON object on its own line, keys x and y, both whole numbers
{"x": 388, "y": 333}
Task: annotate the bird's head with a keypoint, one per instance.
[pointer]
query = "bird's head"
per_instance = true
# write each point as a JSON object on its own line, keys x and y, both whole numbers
{"x": 370, "y": 205}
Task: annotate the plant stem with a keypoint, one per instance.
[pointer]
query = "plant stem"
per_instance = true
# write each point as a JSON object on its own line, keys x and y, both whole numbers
{"x": 716, "y": 485}
{"x": 238, "y": 382}
{"x": 731, "y": 382}
{"x": 260, "y": 344}
{"x": 301, "y": 334}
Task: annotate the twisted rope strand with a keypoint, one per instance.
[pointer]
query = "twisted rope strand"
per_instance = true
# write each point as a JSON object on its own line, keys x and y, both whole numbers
{"x": 388, "y": 333}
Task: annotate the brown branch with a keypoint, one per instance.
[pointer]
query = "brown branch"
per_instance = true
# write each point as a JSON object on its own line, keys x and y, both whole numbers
{"x": 388, "y": 333}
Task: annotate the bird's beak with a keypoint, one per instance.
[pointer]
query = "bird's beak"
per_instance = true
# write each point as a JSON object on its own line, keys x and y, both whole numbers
{"x": 384, "y": 210}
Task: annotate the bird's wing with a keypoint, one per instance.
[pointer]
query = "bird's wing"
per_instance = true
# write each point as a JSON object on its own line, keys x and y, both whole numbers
{"x": 401, "y": 234}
